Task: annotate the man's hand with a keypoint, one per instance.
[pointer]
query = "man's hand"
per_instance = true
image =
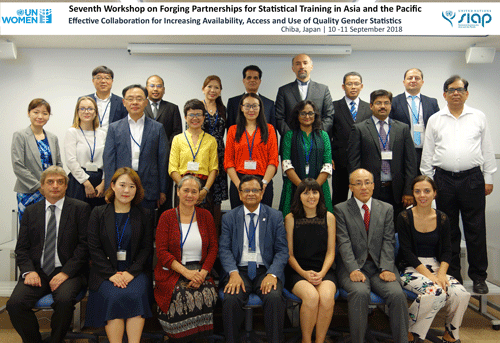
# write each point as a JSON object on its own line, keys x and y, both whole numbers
{"x": 33, "y": 279}
{"x": 268, "y": 283}
{"x": 387, "y": 276}
{"x": 408, "y": 200}
{"x": 57, "y": 280}
{"x": 357, "y": 276}
{"x": 234, "y": 284}
{"x": 488, "y": 188}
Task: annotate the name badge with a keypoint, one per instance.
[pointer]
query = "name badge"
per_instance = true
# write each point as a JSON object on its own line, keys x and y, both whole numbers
{"x": 91, "y": 167}
{"x": 136, "y": 155}
{"x": 418, "y": 127}
{"x": 193, "y": 166}
{"x": 250, "y": 165}
{"x": 121, "y": 255}
{"x": 387, "y": 155}
{"x": 252, "y": 257}
{"x": 307, "y": 169}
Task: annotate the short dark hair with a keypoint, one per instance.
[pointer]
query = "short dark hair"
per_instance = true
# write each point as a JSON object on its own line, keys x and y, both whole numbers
{"x": 126, "y": 89}
{"x": 38, "y": 102}
{"x": 250, "y": 177}
{"x": 139, "y": 191}
{"x": 158, "y": 76}
{"x": 352, "y": 73}
{"x": 253, "y": 68}
{"x": 454, "y": 78}
{"x": 295, "y": 124}
{"x": 379, "y": 93}
{"x": 297, "y": 208}
{"x": 421, "y": 73}
{"x": 103, "y": 70}
{"x": 193, "y": 104}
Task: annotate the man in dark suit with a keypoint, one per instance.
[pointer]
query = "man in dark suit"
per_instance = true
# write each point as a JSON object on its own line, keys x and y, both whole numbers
{"x": 140, "y": 143}
{"x": 110, "y": 106}
{"x": 167, "y": 114}
{"x": 384, "y": 147}
{"x": 253, "y": 252}
{"x": 365, "y": 237}
{"x": 414, "y": 108}
{"x": 252, "y": 77}
{"x": 303, "y": 88}
{"x": 52, "y": 255}
{"x": 348, "y": 110}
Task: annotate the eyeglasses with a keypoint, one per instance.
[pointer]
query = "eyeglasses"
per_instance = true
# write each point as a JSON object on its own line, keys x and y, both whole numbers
{"x": 131, "y": 99}
{"x": 359, "y": 183}
{"x": 350, "y": 84}
{"x": 248, "y": 191}
{"x": 105, "y": 78}
{"x": 248, "y": 106}
{"x": 88, "y": 109}
{"x": 155, "y": 86}
{"x": 306, "y": 114}
{"x": 195, "y": 115}
{"x": 460, "y": 90}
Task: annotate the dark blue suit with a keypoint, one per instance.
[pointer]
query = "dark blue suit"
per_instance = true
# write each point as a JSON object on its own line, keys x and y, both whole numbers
{"x": 116, "y": 109}
{"x": 152, "y": 158}
{"x": 233, "y": 106}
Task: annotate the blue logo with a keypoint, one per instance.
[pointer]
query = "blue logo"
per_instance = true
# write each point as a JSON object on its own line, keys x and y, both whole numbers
{"x": 468, "y": 19}
{"x": 30, "y": 16}
{"x": 46, "y": 16}
{"x": 448, "y": 16}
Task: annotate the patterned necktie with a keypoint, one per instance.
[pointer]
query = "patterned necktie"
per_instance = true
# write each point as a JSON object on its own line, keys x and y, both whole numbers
{"x": 386, "y": 167}
{"x": 366, "y": 218}
{"x": 353, "y": 110}
{"x": 252, "y": 265}
{"x": 414, "y": 117}
{"x": 155, "y": 109}
{"x": 49, "y": 247}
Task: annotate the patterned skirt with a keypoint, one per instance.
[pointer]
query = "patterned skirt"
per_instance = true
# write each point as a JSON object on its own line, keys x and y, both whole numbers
{"x": 26, "y": 199}
{"x": 190, "y": 315}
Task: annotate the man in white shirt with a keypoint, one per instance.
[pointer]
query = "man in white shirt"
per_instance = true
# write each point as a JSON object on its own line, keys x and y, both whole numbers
{"x": 458, "y": 154}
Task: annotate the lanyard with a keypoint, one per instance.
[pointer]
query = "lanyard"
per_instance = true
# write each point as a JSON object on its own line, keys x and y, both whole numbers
{"x": 120, "y": 237}
{"x": 250, "y": 148}
{"x": 104, "y": 114}
{"x": 133, "y": 137}
{"x": 384, "y": 144}
{"x": 199, "y": 146}
{"x": 180, "y": 226}
{"x": 92, "y": 152}
{"x": 308, "y": 154}
{"x": 418, "y": 110}
{"x": 250, "y": 238}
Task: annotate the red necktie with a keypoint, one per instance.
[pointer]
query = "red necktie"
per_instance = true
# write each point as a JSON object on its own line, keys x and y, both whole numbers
{"x": 366, "y": 218}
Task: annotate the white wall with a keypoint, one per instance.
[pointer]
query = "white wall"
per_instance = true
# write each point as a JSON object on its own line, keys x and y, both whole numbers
{"x": 61, "y": 75}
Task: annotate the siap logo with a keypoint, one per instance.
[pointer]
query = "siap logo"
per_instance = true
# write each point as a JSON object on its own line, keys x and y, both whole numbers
{"x": 468, "y": 19}
{"x": 449, "y": 16}
{"x": 30, "y": 16}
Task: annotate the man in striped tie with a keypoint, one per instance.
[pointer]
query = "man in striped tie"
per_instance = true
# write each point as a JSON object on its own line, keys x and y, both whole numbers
{"x": 52, "y": 255}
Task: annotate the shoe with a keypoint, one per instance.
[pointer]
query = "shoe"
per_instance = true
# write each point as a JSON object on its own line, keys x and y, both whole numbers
{"x": 445, "y": 341}
{"x": 480, "y": 287}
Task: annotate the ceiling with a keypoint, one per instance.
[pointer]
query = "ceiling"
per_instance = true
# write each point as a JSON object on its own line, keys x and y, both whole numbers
{"x": 358, "y": 43}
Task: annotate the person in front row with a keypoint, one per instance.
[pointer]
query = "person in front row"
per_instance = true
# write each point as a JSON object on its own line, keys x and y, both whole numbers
{"x": 253, "y": 252}
{"x": 186, "y": 245}
{"x": 424, "y": 258}
{"x": 52, "y": 256}
{"x": 310, "y": 232}
{"x": 120, "y": 245}
{"x": 365, "y": 239}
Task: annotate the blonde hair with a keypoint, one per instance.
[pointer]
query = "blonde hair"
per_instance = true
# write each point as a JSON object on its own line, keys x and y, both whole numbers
{"x": 76, "y": 118}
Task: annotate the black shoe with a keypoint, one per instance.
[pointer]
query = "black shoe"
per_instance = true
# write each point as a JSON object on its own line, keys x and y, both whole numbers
{"x": 445, "y": 341}
{"x": 480, "y": 287}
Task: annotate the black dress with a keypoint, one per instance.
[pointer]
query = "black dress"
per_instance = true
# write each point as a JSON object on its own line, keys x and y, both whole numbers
{"x": 310, "y": 244}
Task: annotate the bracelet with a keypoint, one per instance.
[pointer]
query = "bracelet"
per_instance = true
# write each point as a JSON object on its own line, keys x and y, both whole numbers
{"x": 205, "y": 188}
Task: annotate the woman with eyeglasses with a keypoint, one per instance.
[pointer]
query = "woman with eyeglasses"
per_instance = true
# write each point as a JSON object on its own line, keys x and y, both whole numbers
{"x": 186, "y": 246}
{"x": 83, "y": 148}
{"x": 32, "y": 151}
{"x": 310, "y": 230}
{"x": 252, "y": 149}
{"x": 306, "y": 153}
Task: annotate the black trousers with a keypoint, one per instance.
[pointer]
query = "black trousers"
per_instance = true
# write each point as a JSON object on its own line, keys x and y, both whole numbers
{"x": 340, "y": 185}
{"x": 464, "y": 194}
{"x": 23, "y": 299}
{"x": 273, "y": 303}
{"x": 234, "y": 194}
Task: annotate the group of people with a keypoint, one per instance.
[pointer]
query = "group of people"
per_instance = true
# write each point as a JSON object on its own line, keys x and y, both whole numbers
{"x": 120, "y": 153}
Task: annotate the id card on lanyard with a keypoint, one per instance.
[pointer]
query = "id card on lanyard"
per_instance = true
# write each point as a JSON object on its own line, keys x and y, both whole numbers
{"x": 90, "y": 166}
{"x": 121, "y": 254}
{"x": 193, "y": 165}
{"x": 250, "y": 164}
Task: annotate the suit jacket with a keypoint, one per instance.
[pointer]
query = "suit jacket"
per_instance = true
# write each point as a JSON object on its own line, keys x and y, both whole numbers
{"x": 272, "y": 240}
{"x": 342, "y": 127}
{"x": 152, "y": 159}
{"x": 102, "y": 243}
{"x": 354, "y": 243}
{"x": 289, "y": 95}
{"x": 233, "y": 106}
{"x": 169, "y": 116}
{"x": 401, "y": 112}
{"x": 364, "y": 152}
{"x": 26, "y": 160}
{"x": 116, "y": 109}
{"x": 72, "y": 247}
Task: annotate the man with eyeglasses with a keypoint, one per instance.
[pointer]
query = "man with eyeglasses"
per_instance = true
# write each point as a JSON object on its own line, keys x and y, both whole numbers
{"x": 140, "y": 143}
{"x": 253, "y": 252}
{"x": 365, "y": 239}
{"x": 303, "y": 88}
{"x": 414, "y": 109}
{"x": 348, "y": 110}
{"x": 384, "y": 147}
{"x": 458, "y": 154}
{"x": 110, "y": 106}
{"x": 167, "y": 114}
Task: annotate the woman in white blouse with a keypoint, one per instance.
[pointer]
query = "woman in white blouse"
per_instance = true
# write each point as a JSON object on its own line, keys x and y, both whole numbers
{"x": 84, "y": 145}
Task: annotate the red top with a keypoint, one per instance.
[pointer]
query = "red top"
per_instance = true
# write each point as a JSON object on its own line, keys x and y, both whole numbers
{"x": 168, "y": 249}
{"x": 238, "y": 152}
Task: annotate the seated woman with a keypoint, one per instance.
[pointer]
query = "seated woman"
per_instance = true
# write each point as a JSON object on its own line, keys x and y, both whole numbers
{"x": 120, "y": 242}
{"x": 310, "y": 232}
{"x": 424, "y": 257}
{"x": 186, "y": 246}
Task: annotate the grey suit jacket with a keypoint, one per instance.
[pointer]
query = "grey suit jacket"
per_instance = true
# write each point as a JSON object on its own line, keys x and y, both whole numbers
{"x": 289, "y": 95}
{"x": 354, "y": 243}
{"x": 169, "y": 116}
{"x": 26, "y": 160}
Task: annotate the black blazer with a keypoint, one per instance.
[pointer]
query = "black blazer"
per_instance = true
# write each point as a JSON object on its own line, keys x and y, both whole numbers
{"x": 342, "y": 127}
{"x": 364, "y": 152}
{"x": 169, "y": 116}
{"x": 102, "y": 243}
{"x": 116, "y": 109}
{"x": 233, "y": 105}
{"x": 72, "y": 247}
{"x": 401, "y": 112}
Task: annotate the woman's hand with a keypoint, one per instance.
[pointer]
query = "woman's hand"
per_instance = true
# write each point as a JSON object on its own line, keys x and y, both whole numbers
{"x": 118, "y": 280}
{"x": 89, "y": 189}
{"x": 193, "y": 275}
{"x": 100, "y": 189}
{"x": 313, "y": 277}
{"x": 203, "y": 195}
{"x": 442, "y": 281}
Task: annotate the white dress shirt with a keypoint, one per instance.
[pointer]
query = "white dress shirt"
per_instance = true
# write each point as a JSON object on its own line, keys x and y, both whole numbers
{"x": 136, "y": 130}
{"x": 418, "y": 103}
{"x": 360, "y": 205}
{"x": 458, "y": 144}
{"x": 244, "y": 255}
{"x": 348, "y": 102}
{"x": 104, "y": 107}
{"x": 59, "y": 206}
{"x": 303, "y": 88}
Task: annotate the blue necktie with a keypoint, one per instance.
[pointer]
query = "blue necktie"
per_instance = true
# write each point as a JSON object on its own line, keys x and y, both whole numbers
{"x": 386, "y": 167}
{"x": 252, "y": 265}
{"x": 353, "y": 110}
{"x": 414, "y": 117}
